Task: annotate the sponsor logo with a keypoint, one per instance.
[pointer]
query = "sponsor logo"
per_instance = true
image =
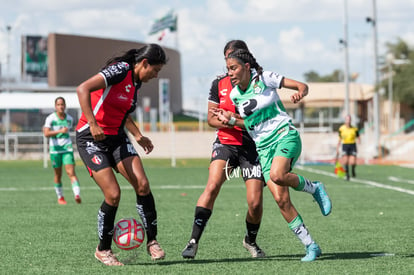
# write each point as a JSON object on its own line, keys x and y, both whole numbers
{"x": 231, "y": 172}
{"x": 223, "y": 92}
{"x": 97, "y": 160}
{"x": 122, "y": 97}
{"x": 128, "y": 88}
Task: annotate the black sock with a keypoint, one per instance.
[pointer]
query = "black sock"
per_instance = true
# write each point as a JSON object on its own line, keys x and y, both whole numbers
{"x": 146, "y": 210}
{"x": 106, "y": 219}
{"x": 353, "y": 170}
{"x": 347, "y": 171}
{"x": 201, "y": 217}
{"x": 251, "y": 232}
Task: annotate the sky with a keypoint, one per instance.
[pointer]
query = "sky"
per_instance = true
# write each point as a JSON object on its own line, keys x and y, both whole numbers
{"x": 288, "y": 37}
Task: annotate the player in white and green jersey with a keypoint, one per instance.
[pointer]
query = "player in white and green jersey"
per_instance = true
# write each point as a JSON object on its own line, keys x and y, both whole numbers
{"x": 56, "y": 128}
{"x": 278, "y": 143}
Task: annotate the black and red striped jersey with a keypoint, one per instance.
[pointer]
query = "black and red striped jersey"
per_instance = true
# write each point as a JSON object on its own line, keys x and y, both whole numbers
{"x": 112, "y": 105}
{"x": 220, "y": 94}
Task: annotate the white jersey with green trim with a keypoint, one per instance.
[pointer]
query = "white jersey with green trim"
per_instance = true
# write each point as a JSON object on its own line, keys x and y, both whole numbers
{"x": 61, "y": 143}
{"x": 265, "y": 117}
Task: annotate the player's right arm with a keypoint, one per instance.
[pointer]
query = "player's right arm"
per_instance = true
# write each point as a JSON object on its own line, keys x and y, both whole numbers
{"x": 47, "y": 128}
{"x": 50, "y": 133}
{"x": 84, "y": 91}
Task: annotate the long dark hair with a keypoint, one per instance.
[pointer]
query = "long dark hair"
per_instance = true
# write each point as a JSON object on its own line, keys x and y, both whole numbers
{"x": 235, "y": 45}
{"x": 245, "y": 56}
{"x": 152, "y": 52}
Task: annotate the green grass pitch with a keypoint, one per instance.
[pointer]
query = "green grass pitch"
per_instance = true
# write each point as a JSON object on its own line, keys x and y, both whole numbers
{"x": 370, "y": 230}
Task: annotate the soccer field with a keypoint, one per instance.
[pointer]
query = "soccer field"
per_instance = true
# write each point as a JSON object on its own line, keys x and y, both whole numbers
{"x": 370, "y": 229}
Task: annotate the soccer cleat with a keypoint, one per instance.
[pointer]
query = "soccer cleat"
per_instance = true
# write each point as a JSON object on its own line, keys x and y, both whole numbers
{"x": 322, "y": 198}
{"x": 190, "y": 250}
{"x": 254, "y": 249}
{"x": 78, "y": 199}
{"x": 107, "y": 257}
{"x": 154, "y": 249}
{"x": 313, "y": 251}
{"x": 62, "y": 201}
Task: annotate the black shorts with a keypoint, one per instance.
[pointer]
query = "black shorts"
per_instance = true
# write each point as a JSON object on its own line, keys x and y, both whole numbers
{"x": 349, "y": 149}
{"x": 105, "y": 153}
{"x": 243, "y": 156}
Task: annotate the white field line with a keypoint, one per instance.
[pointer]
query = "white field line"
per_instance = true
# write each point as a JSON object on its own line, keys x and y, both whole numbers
{"x": 125, "y": 187}
{"x": 229, "y": 184}
{"x": 367, "y": 182}
{"x": 401, "y": 180}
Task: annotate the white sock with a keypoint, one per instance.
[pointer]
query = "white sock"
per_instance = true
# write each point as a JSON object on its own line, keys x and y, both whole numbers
{"x": 303, "y": 234}
{"x": 59, "y": 190}
{"x": 76, "y": 188}
{"x": 309, "y": 187}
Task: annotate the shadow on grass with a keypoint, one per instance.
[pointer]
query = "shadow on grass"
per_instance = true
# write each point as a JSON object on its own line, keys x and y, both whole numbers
{"x": 291, "y": 257}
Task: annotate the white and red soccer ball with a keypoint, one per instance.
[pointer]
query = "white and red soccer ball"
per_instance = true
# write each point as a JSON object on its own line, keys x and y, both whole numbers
{"x": 128, "y": 234}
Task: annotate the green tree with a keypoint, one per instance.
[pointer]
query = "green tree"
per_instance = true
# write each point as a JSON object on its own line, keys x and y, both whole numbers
{"x": 403, "y": 71}
{"x": 312, "y": 76}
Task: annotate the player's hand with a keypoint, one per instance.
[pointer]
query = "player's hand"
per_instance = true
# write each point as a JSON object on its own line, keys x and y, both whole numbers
{"x": 146, "y": 144}
{"x": 64, "y": 130}
{"x": 222, "y": 115}
{"x": 97, "y": 132}
{"x": 296, "y": 97}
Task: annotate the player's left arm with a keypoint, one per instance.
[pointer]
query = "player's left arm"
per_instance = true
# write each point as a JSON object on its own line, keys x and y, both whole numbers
{"x": 358, "y": 136}
{"x": 142, "y": 140}
{"x": 301, "y": 88}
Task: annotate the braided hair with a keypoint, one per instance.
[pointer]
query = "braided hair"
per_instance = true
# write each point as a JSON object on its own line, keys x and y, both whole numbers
{"x": 235, "y": 45}
{"x": 152, "y": 52}
{"x": 245, "y": 56}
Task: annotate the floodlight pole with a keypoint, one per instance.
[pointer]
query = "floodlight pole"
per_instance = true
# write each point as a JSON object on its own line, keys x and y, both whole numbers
{"x": 8, "y": 28}
{"x": 376, "y": 98}
{"x": 346, "y": 70}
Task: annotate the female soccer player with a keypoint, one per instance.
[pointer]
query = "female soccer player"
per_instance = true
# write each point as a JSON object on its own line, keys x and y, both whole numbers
{"x": 56, "y": 128}
{"x": 277, "y": 141}
{"x": 232, "y": 148}
{"x": 106, "y": 100}
{"x": 348, "y": 135}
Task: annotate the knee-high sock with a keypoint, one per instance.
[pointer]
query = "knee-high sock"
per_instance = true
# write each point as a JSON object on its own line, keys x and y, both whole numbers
{"x": 106, "y": 219}
{"x": 201, "y": 217}
{"x": 299, "y": 229}
{"x": 251, "y": 232}
{"x": 146, "y": 210}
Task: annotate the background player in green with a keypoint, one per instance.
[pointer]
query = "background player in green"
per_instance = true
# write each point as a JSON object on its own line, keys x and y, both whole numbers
{"x": 56, "y": 128}
{"x": 278, "y": 143}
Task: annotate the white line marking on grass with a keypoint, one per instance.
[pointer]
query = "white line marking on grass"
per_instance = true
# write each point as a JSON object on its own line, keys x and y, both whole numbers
{"x": 367, "y": 182}
{"x": 401, "y": 180}
{"x": 14, "y": 189}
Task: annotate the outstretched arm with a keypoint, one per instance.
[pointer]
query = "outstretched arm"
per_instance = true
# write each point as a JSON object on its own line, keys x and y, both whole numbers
{"x": 300, "y": 87}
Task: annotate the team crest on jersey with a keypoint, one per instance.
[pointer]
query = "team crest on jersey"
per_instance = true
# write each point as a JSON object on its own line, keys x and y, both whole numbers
{"x": 97, "y": 160}
{"x": 257, "y": 89}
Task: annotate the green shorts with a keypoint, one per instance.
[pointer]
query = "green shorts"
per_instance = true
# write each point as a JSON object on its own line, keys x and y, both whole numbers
{"x": 62, "y": 159}
{"x": 289, "y": 146}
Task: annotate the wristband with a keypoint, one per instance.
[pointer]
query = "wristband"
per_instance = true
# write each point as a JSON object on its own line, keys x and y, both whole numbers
{"x": 232, "y": 121}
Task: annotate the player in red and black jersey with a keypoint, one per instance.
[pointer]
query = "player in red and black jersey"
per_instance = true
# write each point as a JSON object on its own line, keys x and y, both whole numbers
{"x": 106, "y": 100}
{"x": 233, "y": 148}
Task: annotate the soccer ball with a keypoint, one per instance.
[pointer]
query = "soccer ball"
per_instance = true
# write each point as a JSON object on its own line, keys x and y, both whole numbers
{"x": 128, "y": 234}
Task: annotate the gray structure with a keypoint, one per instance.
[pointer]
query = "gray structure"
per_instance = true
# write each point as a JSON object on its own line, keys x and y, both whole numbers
{"x": 73, "y": 59}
